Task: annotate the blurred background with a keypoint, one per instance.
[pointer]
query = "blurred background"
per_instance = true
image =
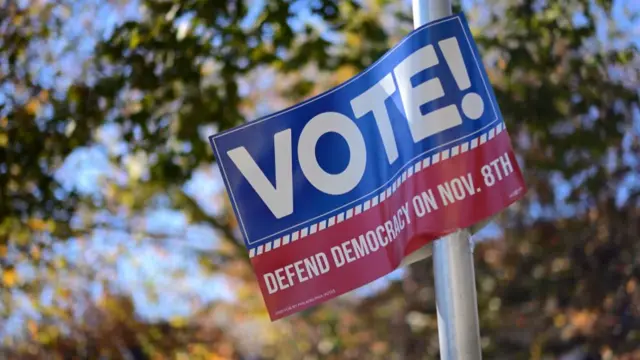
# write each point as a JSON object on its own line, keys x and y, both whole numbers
{"x": 117, "y": 240}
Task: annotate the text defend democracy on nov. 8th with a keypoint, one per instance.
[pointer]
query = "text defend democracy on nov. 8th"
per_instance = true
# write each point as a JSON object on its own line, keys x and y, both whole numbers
{"x": 381, "y": 235}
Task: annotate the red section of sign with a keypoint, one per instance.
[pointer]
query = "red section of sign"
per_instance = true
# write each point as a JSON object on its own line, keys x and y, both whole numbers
{"x": 296, "y": 284}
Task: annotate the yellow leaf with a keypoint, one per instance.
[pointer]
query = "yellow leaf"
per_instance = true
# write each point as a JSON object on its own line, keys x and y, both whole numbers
{"x": 560, "y": 320}
{"x": 353, "y": 39}
{"x": 178, "y": 321}
{"x": 51, "y": 225}
{"x": 33, "y": 106}
{"x": 4, "y": 139}
{"x": 44, "y": 338}
{"x": 345, "y": 73}
{"x": 9, "y": 277}
{"x": 134, "y": 41}
{"x": 60, "y": 263}
{"x": 37, "y": 224}
{"x": 63, "y": 293}
{"x": 127, "y": 199}
{"x": 18, "y": 20}
{"x": 3, "y": 251}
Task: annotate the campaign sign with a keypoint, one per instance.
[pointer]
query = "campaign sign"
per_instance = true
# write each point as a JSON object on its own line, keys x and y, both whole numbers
{"x": 334, "y": 192}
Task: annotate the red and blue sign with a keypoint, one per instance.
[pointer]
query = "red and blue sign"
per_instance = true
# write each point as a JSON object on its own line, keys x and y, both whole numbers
{"x": 334, "y": 192}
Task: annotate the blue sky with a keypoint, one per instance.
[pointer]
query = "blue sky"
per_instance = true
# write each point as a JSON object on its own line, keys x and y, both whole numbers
{"x": 146, "y": 262}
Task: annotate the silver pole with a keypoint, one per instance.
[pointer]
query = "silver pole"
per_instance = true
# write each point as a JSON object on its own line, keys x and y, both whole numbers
{"x": 456, "y": 299}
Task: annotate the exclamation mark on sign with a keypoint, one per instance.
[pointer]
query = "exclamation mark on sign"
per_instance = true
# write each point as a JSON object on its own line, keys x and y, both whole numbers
{"x": 472, "y": 103}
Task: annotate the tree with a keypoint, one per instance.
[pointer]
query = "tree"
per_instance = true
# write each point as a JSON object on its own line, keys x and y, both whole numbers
{"x": 178, "y": 71}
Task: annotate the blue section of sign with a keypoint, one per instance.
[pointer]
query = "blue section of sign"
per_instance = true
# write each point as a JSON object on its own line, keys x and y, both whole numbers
{"x": 310, "y": 205}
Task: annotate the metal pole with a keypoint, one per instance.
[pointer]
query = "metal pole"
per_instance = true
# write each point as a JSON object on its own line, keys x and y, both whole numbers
{"x": 456, "y": 299}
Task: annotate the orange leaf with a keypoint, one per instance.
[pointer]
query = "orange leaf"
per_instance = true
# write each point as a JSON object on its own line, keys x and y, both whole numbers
{"x": 9, "y": 277}
{"x": 33, "y": 328}
{"x": 37, "y": 224}
{"x": 33, "y": 106}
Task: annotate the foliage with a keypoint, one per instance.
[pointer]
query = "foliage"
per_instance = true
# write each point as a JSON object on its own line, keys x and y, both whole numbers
{"x": 562, "y": 276}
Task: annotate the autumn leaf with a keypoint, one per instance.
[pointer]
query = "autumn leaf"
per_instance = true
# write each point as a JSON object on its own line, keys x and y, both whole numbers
{"x": 4, "y": 140}
{"x": 38, "y": 224}
{"x": 9, "y": 277}
{"x": 18, "y": 20}
{"x": 43, "y": 96}
{"x": 178, "y": 321}
{"x": 33, "y": 106}
{"x": 33, "y": 328}
{"x": 345, "y": 73}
